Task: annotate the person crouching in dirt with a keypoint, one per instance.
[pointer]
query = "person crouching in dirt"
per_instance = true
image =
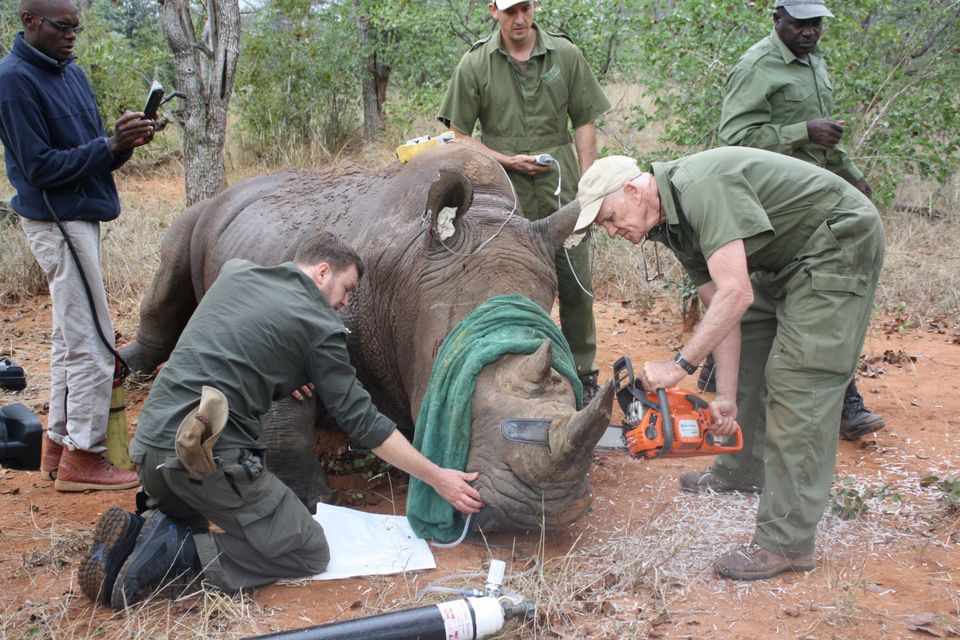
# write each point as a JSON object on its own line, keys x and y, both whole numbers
{"x": 197, "y": 450}
{"x": 786, "y": 257}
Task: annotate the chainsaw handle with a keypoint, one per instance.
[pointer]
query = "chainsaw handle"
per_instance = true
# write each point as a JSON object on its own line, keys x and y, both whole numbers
{"x": 727, "y": 448}
{"x": 666, "y": 422}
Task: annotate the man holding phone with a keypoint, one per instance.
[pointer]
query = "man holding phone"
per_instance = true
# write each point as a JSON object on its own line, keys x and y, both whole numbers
{"x": 60, "y": 161}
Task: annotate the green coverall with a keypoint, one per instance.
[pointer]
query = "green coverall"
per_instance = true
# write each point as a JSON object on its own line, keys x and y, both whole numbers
{"x": 525, "y": 110}
{"x": 254, "y": 353}
{"x": 814, "y": 247}
{"x": 769, "y": 97}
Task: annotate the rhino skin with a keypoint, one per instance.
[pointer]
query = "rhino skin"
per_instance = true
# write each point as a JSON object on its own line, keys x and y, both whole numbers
{"x": 416, "y": 288}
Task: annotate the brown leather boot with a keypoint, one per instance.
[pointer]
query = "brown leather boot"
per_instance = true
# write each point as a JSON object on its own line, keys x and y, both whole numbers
{"x": 753, "y": 562}
{"x": 51, "y": 459}
{"x": 83, "y": 470}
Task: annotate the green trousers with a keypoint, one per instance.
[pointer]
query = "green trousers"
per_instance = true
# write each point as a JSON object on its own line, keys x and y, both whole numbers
{"x": 576, "y": 306}
{"x": 801, "y": 341}
{"x": 268, "y": 533}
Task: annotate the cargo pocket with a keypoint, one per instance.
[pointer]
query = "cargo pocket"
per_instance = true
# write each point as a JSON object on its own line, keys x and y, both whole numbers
{"x": 278, "y": 525}
{"x": 822, "y": 318}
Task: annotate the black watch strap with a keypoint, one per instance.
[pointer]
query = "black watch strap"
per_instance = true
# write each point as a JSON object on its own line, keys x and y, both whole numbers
{"x": 686, "y": 366}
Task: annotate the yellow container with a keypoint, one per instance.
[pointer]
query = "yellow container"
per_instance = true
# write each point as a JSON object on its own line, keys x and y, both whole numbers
{"x": 118, "y": 440}
{"x": 417, "y": 146}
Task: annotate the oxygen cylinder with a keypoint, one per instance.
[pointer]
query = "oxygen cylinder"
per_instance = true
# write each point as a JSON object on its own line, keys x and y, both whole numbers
{"x": 118, "y": 440}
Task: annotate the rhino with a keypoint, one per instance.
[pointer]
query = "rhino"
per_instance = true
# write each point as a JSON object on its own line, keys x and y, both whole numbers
{"x": 438, "y": 235}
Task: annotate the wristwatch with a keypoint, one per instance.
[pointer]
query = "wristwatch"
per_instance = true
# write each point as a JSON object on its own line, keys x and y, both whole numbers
{"x": 686, "y": 366}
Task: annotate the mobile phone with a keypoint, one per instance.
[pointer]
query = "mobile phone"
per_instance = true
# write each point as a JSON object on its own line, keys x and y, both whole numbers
{"x": 545, "y": 159}
{"x": 153, "y": 101}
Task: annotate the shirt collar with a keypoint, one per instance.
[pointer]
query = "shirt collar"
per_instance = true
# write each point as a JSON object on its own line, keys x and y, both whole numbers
{"x": 38, "y": 58}
{"x": 544, "y": 42}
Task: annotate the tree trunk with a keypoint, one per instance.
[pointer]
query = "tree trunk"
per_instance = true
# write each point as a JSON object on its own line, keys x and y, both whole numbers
{"x": 204, "y": 72}
{"x": 374, "y": 82}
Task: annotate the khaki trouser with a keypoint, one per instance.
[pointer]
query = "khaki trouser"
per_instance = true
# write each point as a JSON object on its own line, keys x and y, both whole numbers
{"x": 267, "y": 532}
{"x": 801, "y": 341}
{"x": 81, "y": 367}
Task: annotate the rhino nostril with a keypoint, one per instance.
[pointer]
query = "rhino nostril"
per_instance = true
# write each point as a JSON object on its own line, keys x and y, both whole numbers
{"x": 483, "y": 518}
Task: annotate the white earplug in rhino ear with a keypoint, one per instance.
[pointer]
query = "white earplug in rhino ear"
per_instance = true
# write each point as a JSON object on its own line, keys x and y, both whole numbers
{"x": 445, "y": 220}
{"x": 574, "y": 239}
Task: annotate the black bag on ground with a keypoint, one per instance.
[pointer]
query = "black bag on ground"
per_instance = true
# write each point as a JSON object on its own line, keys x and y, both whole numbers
{"x": 11, "y": 375}
{"x": 21, "y": 437}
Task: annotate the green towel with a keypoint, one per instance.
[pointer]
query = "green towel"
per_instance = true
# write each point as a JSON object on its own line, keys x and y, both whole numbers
{"x": 502, "y": 325}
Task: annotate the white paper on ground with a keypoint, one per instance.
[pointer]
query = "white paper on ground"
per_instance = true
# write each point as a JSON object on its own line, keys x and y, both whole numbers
{"x": 367, "y": 544}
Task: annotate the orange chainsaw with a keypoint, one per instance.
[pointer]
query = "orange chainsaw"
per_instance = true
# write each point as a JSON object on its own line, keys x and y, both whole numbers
{"x": 673, "y": 423}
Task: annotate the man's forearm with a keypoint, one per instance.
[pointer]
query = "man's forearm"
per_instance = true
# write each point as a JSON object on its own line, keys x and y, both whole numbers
{"x": 585, "y": 141}
{"x": 504, "y": 160}
{"x": 398, "y": 451}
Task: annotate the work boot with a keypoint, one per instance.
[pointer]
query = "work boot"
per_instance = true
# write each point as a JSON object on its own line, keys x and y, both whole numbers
{"x": 113, "y": 541}
{"x": 855, "y": 419}
{"x": 753, "y": 562}
{"x": 82, "y": 470}
{"x": 164, "y": 554}
{"x": 705, "y": 480}
{"x": 50, "y": 460}
{"x": 708, "y": 375}
{"x": 590, "y": 387}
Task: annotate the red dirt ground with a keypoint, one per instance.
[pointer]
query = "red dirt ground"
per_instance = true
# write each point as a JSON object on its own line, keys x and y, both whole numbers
{"x": 892, "y": 573}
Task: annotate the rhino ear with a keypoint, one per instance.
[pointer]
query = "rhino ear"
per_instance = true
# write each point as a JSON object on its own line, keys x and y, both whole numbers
{"x": 450, "y": 196}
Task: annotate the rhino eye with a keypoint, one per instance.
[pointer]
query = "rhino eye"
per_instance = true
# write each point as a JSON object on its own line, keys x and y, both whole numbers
{"x": 527, "y": 431}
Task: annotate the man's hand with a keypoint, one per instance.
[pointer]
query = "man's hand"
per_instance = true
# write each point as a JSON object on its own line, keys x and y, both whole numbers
{"x": 452, "y": 485}
{"x": 527, "y": 165}
{"x": 825, "y": 132}
{"x": 864, "y": 188}
{"x": 304, "y": 392}
{"x": 724, "y": 416}
{"x": 660, "y": 375}
{"x": 130, "y": 131}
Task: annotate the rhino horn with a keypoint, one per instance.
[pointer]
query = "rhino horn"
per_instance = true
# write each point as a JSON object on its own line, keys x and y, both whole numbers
{"x": 573, "y": 443}
{"x": 536, "y": 367}
{"x": 450, "y": 189}
{"x": 555, "y": 228}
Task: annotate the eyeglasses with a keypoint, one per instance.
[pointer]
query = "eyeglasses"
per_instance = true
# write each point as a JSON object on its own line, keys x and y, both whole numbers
{"x": 59, "y": 26}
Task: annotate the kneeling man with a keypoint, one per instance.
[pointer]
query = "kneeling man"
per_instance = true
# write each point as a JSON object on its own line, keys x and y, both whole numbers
{"x": 786, "y": 257}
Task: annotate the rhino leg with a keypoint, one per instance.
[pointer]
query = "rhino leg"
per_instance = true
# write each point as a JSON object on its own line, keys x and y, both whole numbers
{"x": 290, "y": 437}
{"x": 169, "y": 300}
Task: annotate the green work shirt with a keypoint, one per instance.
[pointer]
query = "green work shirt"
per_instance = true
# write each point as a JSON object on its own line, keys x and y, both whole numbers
{"x": 524, "y": 109}
{"x": 770, "y": 96}
{"x": 772, "y": 202}
{"x": 258, "y": 334}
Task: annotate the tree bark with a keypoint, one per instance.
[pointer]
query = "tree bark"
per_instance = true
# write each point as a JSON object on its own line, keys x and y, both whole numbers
{"x": 205, "y": 70}
{"x": 374, "y": 82}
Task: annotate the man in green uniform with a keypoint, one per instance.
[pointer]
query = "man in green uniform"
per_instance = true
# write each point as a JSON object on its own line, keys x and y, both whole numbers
{"x": 778, "y": 97}
{"x": 786, "y": 257}
{"x": 522, "y": 84}
{"x": 204, "y": 463}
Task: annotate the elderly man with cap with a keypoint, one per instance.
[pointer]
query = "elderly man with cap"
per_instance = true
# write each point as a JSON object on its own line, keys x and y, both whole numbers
{"x": 778, "y": 97}
{"x": 197, "y": 446}
{"x": 786, "y": 257}
{"x": 523, "y": 84}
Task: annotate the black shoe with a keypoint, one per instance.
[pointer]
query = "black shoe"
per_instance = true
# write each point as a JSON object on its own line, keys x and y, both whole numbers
{"x": 855, "y": 419}
{"x": 590, "y": 387}
{"x": 164, "y": 553}
{"x": 708, "y": 375}
{"x": 113, "y": 540}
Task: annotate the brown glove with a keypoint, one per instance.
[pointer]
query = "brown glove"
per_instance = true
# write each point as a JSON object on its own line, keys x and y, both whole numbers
{"x": 199, "y": 431}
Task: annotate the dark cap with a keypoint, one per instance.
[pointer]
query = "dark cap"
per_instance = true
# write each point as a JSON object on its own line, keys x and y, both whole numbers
{"x": 804, "y": 9}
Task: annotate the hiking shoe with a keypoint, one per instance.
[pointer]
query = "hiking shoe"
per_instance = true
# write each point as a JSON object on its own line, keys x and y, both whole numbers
{"x": 163, "y": 554}
{"x": 705, "y": 480}
{"x": 591, "y": 387}
{"x": 708, "y": 375}
{"x": 855, "y": 419}
{"x": 112, "y": 542}
{"x": 753, "y": 562}
{"x": 50, "y": 460}
{"x": 83, "y": 470}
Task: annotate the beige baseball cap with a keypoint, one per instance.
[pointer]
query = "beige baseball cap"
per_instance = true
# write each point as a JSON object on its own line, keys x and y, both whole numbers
{"x": 804, "y": 9}
{"x": 506, "y": 4}
{"x": 605, "y": 176}
{"x": 199, "y": 432}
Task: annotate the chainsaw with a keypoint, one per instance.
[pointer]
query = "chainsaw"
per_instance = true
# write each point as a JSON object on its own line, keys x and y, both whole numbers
{"x": 672, "y": 423}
